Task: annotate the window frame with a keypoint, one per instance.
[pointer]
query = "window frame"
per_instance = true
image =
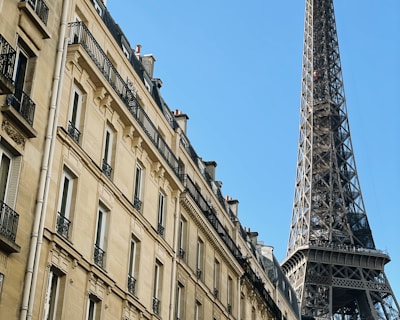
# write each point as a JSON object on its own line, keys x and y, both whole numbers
{"x": 162, "y": 199}
{"x": 138, "y": 188}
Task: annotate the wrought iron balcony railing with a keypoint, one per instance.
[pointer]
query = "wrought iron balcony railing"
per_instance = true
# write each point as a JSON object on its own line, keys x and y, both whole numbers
{"x": 216, "y": 291}
{"x": 7, "y": 59}
{"x": 106, "y": 168}
{"x": 137, "y": 204}
{"x": 21, "y": 102}
{"x": 81, "y": 35}
{"x": 160, "y": 229}
{"x": 63, "y": 225}
{"x": 98, "y": 256}
{"x": 156, "y": 305}
{"x": 131, "y": 284}
{"x": 181, "y": 253}
{"x": 73, "y": 132}
{"x": 8, "y": 222}
{"x": 41, "y": 9}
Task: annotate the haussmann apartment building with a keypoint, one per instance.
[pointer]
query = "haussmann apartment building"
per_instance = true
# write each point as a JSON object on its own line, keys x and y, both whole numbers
{"x": 107, "y": 212}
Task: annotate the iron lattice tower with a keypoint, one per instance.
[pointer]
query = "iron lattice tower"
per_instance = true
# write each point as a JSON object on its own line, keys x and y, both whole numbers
{"x": 331, "y": 259}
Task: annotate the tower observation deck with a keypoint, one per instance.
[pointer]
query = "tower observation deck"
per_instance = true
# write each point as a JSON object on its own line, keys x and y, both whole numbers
{"x": 332, "y": 262}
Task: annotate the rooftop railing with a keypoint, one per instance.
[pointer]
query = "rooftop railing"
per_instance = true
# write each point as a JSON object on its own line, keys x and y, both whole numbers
{"x": 81, "y": 35}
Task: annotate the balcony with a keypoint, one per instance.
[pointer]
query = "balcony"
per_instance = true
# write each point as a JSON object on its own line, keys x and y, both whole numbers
{"x": 98, "y": 256}
{"x": 7, "y": 62}
{"x": 156, "y": 305}
{"x": 73, "y": 132}
{"x": 8, "y": 228}
{"x": 63, "y": 225}
{"x": 216, "y": 291}
{"x": 137, "y": 204}
{"x": 160, "y": 229}
{"x": 106, "y": 168}
{"x": 181, "y": 253}
{"x": 23, "y": 104}
{"x": 131, "y": 284}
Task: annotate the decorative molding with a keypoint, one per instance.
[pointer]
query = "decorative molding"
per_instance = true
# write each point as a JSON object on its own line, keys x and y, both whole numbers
{"x": 13, "y": 133}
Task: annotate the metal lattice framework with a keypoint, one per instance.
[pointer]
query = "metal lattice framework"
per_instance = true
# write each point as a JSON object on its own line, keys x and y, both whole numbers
{"x": 331, "y": 259}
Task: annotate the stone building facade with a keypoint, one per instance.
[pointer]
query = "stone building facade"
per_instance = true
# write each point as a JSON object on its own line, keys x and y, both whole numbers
{"x": 107, "y": 212}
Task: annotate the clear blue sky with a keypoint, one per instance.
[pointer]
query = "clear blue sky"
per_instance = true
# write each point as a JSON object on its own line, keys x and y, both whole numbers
{"x": 235, "y": 68}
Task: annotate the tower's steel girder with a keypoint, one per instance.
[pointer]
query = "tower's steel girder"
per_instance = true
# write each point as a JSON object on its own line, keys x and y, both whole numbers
{"x": 331, "y": 258}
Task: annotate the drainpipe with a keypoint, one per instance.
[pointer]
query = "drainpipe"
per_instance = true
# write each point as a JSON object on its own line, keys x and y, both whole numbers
{"x": 239, "y": 295}
{"x": 45, "y": 175}
{"x": 174, "y": 263}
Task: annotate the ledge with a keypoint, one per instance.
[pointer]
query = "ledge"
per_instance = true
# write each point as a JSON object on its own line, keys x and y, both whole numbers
{"x": 8, "y": 246}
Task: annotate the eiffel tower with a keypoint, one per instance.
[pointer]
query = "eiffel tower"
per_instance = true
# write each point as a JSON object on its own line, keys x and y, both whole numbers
{"x": 331, "y": 261}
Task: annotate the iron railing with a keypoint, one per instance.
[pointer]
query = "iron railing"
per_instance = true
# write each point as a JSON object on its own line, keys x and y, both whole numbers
{"x": 8, "y": 222}
{"x": 137, "y": 204}
{"x": 41, "y": 9}
{"x": 181, "y": 253}
{"x": 209, "y": 213}
{"x": 63, "y": 225}
{"x": 73, "y": 132}
{"x": 156, "y": 305}
{"x": 106, "y": 168}
{"x": 81, "y": 35}
{"x": 131, "y": 284}
{"x": 160, "y": 229}
{"x": 98, "y": 256}
{"x": 7, "y": 59}
{"x": 21, "y": 102}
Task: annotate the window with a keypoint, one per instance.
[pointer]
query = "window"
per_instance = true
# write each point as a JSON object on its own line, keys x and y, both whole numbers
{"x": 133, "y": 265}
{"x": 107, "y": 151}
{"x": 137, "y": 197}
{"x": 157, "y": 287}
{"x": 9, "y": 177}
{"x": 64, "y": 204}
{"x": 23, "y": 74}
{"x": 75, "y": 114}
{"x": 182, "y": 238}
{"x": 198, "y": 311}
{"x": 229, "y": 294}
{"x": 199, "y": 258}
{"x": 217, "y": 272}
{"x": 161, "y": 213}
{"x": 53, "y": 299}
{"x": 93, "y": 309}
{"x": 180, "y": 298}
{"x": 40, "y": 8}
{"x": 99, "y": 245}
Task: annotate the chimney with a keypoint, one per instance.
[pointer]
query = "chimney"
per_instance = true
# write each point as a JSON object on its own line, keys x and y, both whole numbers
{"x": 210, "y": 168}
{"x": 137, "y": 51}
{"x": 234, "y": 206}
{"x": 253, "y": 237}
{"x": 182, "y": 119}
{"x": 148, "y": 64}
